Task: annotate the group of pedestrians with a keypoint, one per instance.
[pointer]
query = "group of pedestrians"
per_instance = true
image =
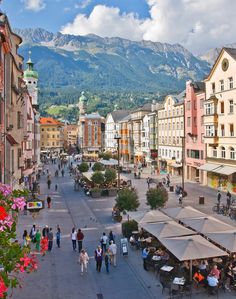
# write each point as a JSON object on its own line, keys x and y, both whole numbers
{"x": 228, "y": 199}
{"x": 77, "y": 236}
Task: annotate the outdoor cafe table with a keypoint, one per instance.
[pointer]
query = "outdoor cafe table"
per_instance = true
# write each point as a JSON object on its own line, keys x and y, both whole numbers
{"x": 167, "y": 268}
{"x": 179, "y": 281}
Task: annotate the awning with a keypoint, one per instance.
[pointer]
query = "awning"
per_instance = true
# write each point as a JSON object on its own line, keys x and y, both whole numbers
{"x": 11, "y": 140}
{"x": 177, "y": 165}
{"x": 209, "y": 167}
{"x": 227, "y": 170}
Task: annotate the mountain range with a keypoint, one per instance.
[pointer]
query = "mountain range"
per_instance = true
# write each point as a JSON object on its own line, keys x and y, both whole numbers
{"x": 106, "y": 64}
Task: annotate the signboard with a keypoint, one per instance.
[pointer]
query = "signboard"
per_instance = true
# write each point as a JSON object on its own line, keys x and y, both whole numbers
{"x": 35, "y": 205}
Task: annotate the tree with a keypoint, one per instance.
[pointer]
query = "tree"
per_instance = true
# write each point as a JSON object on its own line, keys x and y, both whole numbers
{"x": 97, "y": 166}
{"x": 98, "y": 178}
{"x": 156, "y": 197}
{"x": 14, "y": 259}
{"x": 105, "y": 155}
{"x": 83, "y": 167}
{"x": 110, "y": 175}
{"x": 127, "y": 200}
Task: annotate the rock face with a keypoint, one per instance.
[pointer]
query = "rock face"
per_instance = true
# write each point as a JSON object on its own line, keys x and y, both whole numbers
{"x": 94, "y": 63}
{"x": 212, "y": 54}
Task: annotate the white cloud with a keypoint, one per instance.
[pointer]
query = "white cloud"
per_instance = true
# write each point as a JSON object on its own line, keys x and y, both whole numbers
{"x": 196, "y": 24}
{"x": 83, "y": 4}
{"x": 34, "y": 5}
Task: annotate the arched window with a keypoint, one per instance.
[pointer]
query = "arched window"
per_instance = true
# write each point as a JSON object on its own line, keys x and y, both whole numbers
{"x": 223, "y": 152}
{"x": 214, "y": 152}
{"x": 232, "y": 153}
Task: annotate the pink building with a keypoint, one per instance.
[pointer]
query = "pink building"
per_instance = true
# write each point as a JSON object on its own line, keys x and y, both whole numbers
{"x": 194, "y": 131}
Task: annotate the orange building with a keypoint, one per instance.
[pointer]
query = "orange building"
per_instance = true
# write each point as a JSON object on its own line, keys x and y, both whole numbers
{"x": 51, "y": 134}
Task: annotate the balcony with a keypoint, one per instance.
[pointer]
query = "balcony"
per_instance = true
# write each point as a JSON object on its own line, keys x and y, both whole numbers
{"x": 211, "y": 140}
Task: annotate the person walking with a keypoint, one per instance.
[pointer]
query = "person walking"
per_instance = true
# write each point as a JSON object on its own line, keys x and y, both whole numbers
{"x": 49, "y": 201}
{"x": 56, "y": 187}
{"x": 26, "y": 238}
{"x": 111, "y": 237}
{"x": 98, "y": 258}
{"x": 45, "y": 231}
{"x": 113, "y": 252}
{"x": 181, "y": 198}
{"x": 145, "y": 253}
{"x": 62, "y": 172}
{"x": 148, "y": 182}
{"x": 58, "y": 237}
{"x": 218, "y": 197}
{"x": 73, "y": 238}
{"x": 80, "y": 238}
{"x": 50, "y": 239}
{"x": 103, "y": 241}
{"x": 228, "y": 200}
{"x": 37, "y": 240}
{"x": 44, "y": 245}
{"x": 33, "y": 233}
{"x": 49, "y": 184}
{"x": 83, "y": 261}
{"x": 107, "y": 260}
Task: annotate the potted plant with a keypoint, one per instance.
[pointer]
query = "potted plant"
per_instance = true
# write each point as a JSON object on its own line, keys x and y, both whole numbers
{"x": 127, "y": 200}
{"x": 83, "y": 167}
{"x": 95, "y": 192}
{"x": 97, "y": 166}
{"x": 128, "y": 227}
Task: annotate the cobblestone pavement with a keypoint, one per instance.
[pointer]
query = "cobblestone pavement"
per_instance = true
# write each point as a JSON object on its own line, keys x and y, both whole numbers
{"x": 59, "y": 275}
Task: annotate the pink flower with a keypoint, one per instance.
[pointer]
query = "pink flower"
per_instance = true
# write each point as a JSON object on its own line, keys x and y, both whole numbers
{"x": 18, "y": 203}
{"x": 6, "y": 223}
{"x": 5, "y": 190}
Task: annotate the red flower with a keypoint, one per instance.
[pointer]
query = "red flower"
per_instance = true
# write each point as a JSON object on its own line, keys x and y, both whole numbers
{"x": 3, "y": 213}
{"x": 3, "y": 288}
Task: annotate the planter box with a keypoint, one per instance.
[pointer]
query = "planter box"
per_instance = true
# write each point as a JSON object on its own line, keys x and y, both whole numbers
{"x": 112, "y": 192}
{"x": 96, "y": 194}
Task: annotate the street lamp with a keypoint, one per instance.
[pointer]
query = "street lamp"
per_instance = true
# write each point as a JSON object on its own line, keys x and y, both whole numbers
{"x": 117, "y": 138}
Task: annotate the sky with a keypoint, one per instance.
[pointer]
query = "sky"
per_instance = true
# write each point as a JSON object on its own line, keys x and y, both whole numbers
{"x": 198, "y": 25}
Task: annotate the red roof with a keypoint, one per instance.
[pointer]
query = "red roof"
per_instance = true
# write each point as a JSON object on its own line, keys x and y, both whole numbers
{"x": 11, "y": 140}
{"x": 50, "y": 121}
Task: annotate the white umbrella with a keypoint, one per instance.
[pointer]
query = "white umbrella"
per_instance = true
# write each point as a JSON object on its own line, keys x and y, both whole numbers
{"x": 148, "y": 216}
{"x": 226, "y": 239}
{"x": 183, "y": 212}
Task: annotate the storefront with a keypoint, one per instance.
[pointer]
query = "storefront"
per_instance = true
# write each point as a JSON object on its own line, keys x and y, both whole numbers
{"x": 163, "y": 166}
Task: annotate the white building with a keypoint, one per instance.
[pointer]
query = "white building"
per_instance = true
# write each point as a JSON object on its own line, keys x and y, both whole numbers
{"x": 145, "y": 137}
{"x": 112, "y": 127}
{"x": 170, "y": 134}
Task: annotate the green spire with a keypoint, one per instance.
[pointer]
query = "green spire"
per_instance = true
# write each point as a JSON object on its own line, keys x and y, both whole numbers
{"x": 30, "y": 73}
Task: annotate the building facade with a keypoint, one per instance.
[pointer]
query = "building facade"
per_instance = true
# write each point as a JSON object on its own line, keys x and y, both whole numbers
{"x": 91, "y": 133}
{"x": 153, "y": 132}
{"x": 51, "y": 135}
{"x": 194, "y": 131}
{"x": 71, "y": 136}
{"x": 171, "y": 134}
{"x": 112, "y": 127}
{"x": 125, "y": 141}
{"x": 219, "y": 122}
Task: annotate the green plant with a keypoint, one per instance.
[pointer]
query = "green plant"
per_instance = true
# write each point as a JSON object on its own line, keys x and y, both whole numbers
{"x": 127, "y": 200}
{"x": 110, "y": 175}
{"x": 157, "y": 197}
{"x": 83, "y": 167}
{"x": 128, "y": 227}
{"x": 105, "y": 155}
{"x": 97, "y": 166}
{"x": 95, "y": 190}
{"x": 97, "y": 178}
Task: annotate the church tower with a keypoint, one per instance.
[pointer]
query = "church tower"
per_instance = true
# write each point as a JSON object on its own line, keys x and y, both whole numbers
{"x": 31, "y": 80}
{"x": 82, "y": 104}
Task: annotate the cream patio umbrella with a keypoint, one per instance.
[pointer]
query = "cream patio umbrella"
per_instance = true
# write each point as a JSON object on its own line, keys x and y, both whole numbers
{"x": 193, "y": 247}
{"x": 166, "y": 229}
{"x": 206, "y": 224}
{"x": 148, "y": 216}
{"x": 226, "y": 239}
{"x": 183, "y": 212}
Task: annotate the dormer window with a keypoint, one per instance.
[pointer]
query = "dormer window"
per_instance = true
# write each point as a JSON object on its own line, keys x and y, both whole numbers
{"x": 231, "y": 83}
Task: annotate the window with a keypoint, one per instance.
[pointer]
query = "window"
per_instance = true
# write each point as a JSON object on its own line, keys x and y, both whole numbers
{"x": 42, "y": 129}
{"x": 222, "y": 130}
{"x": 42, "y": 143}
{"x": 210, "y": 131}
{"x": 170, "y": 154}
{"x": 209, "y": 109}
{"x": 232, "y": 153}
{"x": 222, "y": 107}
{"x": 213, "y": 87}
{"x": 188, "y": 105}
{"x": 177, "y": 154}
{"x": 188, "y": 121}
{"x": 223, "y": 152}
{"x": 182, "y": 124}
{"x": 231, "y": 83}
{"x": 166, "y": 152}
{"x": 231, "y": 106}
{"x": 173, "y": 154}
{"x": 231, "y": 130}
{"x": 177, "y": 126}
{"x": 214, "y": 152}
{"x": 48, "y": 136}
{"x": 221, "y": 85}
{"x": 177, "y": 111}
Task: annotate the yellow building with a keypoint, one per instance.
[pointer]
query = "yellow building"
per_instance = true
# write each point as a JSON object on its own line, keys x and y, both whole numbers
{"x": 220, "y": 123}
{"x": 51, "y": 134}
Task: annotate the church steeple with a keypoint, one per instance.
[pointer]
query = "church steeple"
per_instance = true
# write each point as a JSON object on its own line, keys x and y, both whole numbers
{"x": 31, "y": 80}
{"x": 82, "y": 104}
